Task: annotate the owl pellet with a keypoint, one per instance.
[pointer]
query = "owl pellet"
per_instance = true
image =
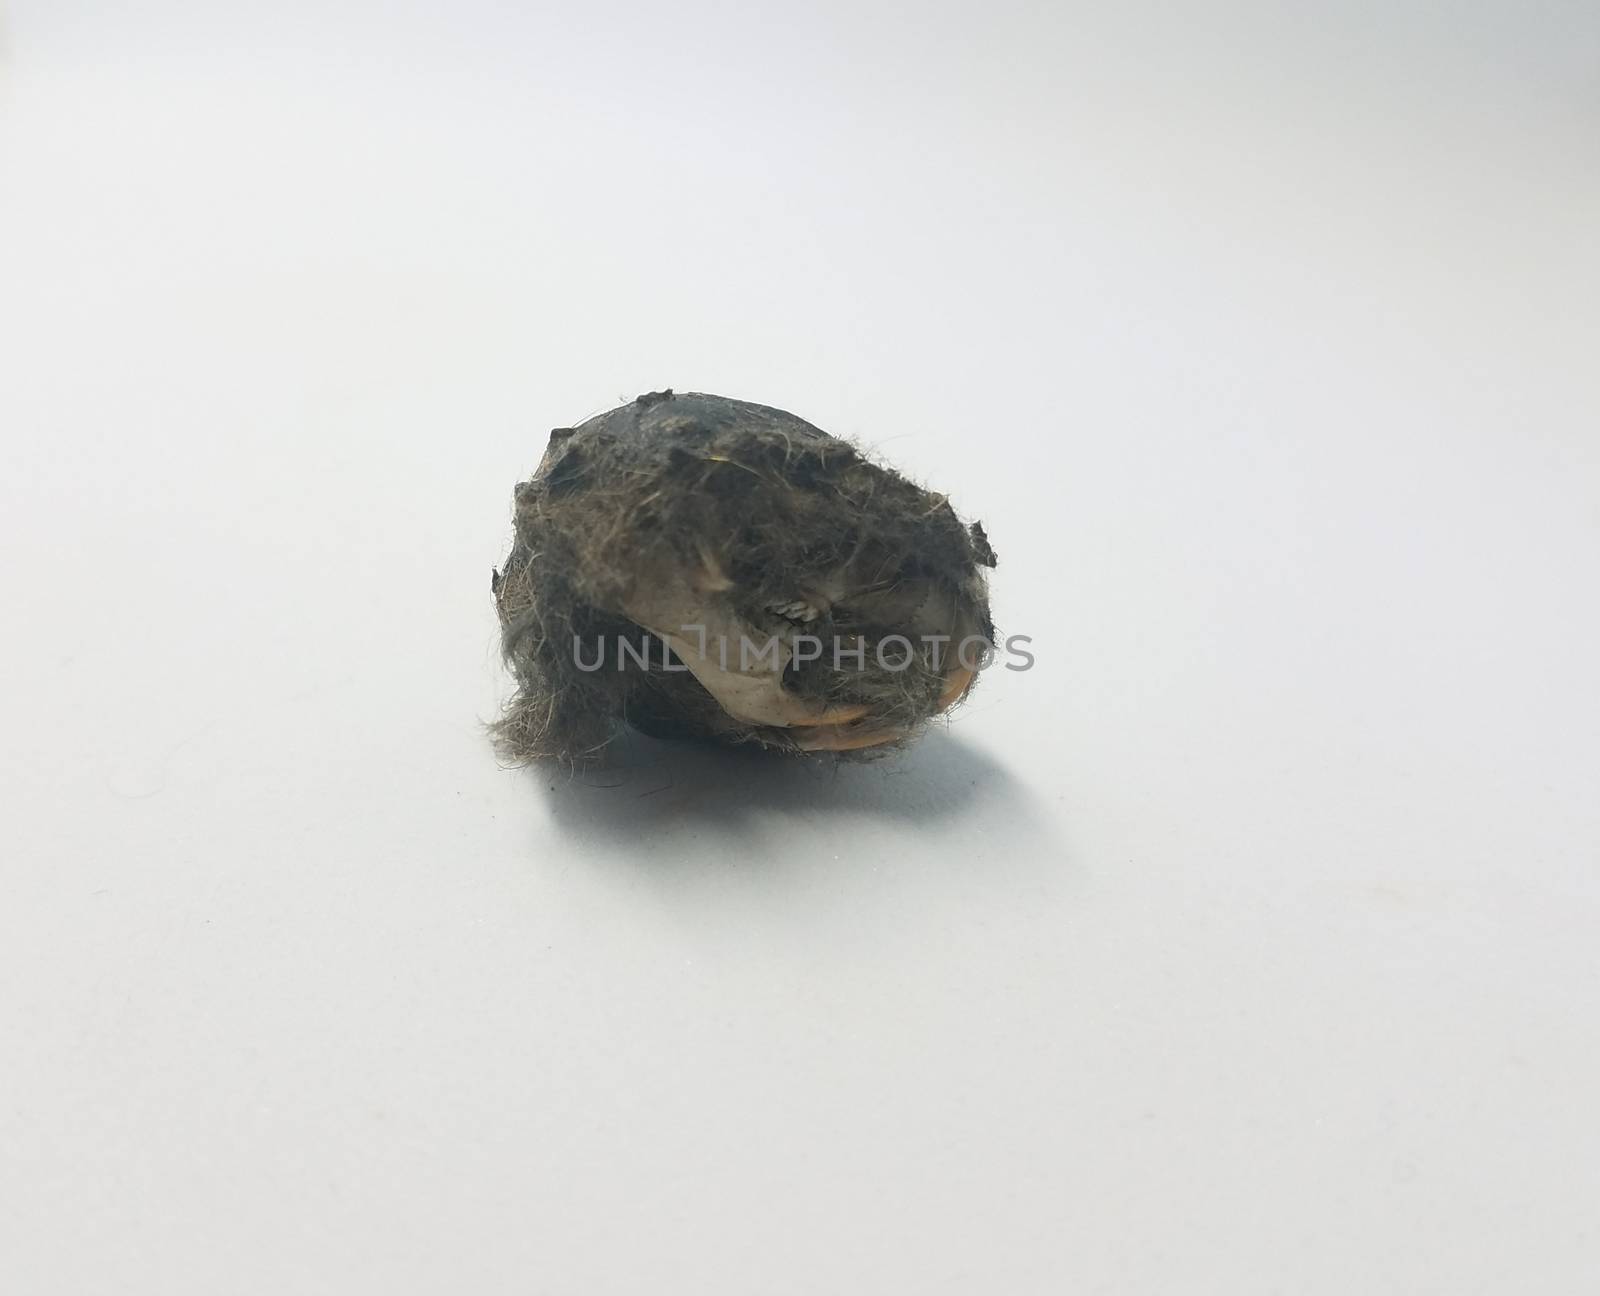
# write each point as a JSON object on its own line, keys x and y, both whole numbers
{"x": 700, "y": 567}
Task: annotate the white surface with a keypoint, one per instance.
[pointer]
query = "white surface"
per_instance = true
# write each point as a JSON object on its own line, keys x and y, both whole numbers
{"x": 1246, "y": 945}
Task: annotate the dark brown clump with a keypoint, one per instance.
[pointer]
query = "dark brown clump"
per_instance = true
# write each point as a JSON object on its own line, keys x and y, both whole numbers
{"x": 744, "y": 518}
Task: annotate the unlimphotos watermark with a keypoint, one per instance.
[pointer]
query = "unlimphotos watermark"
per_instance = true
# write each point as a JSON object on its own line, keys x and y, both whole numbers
{"x": 893, "y": 653}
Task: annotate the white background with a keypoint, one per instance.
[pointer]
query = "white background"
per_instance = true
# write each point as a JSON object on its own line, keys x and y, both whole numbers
{"x": 1247, "y": 944}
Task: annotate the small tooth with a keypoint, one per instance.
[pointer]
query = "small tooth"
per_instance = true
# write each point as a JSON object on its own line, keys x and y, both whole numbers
{"x": 794, "y": 610}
